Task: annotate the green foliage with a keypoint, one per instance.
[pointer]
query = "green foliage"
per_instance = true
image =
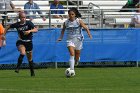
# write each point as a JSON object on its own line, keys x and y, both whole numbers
{"x": 130, "y": 2}
{"x": 61, "y": 2}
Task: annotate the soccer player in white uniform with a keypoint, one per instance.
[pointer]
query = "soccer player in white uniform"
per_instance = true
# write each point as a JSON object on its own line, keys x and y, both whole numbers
{"x": 73, "y": 27}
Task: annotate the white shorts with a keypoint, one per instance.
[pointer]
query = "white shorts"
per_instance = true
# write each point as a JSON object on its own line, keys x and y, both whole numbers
{"x": 75, "y": 42}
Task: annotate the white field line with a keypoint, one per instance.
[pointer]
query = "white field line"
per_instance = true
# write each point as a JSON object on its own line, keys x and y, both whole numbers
{"x": 56, "y": 90}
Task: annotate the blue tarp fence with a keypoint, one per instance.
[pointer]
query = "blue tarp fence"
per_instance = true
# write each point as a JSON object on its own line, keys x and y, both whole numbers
{"x": 106, "y": 45}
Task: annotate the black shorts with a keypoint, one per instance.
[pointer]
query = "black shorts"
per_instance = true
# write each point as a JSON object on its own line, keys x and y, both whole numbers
{"x": 28, "y": 45}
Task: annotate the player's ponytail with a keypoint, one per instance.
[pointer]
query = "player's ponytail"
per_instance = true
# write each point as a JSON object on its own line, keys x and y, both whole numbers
{"x": 78, "y": 14}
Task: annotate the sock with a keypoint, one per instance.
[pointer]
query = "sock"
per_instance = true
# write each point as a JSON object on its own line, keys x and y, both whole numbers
{"x": 71, "y": 61}
{"x": 20, "y": 59}
{"x": 31, "y": 67}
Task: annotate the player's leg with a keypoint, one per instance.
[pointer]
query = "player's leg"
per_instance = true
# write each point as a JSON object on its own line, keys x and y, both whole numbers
{"x": 71, "y": 48}
{"x": 77, "y": 57}
{"x": 29, "y": 47}
{"x": 78, "y": 47}
{"x": 21, "y": 49}
{"x": 71, "y": 60}
{"x": 30, "y": 60}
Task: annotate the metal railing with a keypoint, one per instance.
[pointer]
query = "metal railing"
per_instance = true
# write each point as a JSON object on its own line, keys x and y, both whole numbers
{"x": 104, "y": 17}
{"x": 97, "y": 13}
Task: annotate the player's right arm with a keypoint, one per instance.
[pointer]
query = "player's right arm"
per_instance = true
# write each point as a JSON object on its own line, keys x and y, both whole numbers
{"x": 62, "y": 32}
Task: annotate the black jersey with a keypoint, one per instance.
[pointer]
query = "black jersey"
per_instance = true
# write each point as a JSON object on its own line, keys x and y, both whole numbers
{"x": 21, "y": 28}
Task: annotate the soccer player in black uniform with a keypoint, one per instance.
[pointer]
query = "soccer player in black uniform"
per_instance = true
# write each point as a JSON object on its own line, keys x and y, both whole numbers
{"x": 24, "y": 44}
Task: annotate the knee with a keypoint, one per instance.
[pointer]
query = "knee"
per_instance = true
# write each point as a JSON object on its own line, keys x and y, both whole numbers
{"x": 23, "y": 53}
{"x": 29, "y": 55}
{"x": 72, "y": 53}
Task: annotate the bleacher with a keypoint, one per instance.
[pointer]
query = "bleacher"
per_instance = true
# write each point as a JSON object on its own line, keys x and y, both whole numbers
{"x": 110, "y": 15}
{"x": 109, "y": 12}
{"x": 119, "y": 18}
{"x": 109, "y": 8}
{"x": 43, "y": 4}
{"x": 106, "y": 4}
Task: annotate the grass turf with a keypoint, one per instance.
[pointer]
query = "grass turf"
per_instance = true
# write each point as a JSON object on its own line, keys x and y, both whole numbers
{"x": 87, "y": 80}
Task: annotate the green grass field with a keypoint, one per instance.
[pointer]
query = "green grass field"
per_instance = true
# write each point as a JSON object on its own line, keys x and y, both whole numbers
{"x": 87, "y": 80}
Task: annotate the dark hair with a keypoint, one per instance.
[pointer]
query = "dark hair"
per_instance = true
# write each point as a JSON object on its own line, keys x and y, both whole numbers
{"x": 75, "y": 11}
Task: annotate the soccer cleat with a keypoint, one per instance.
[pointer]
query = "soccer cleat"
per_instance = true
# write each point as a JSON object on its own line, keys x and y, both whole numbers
{"x": 76, "y": 63}
{"x": 32, "y": 74}
{"x": 17, "y": 70}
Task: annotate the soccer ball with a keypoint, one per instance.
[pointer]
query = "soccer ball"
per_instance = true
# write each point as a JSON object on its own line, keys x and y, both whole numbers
{"x": 69, "y": 72}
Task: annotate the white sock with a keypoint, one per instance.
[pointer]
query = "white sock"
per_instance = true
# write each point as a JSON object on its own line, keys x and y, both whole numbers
{"x": 71, "y": 61}
{"x": 79, "y": 59}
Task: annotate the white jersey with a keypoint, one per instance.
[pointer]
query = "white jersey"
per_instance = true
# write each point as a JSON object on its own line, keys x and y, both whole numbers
{"x": 73, "y": 29}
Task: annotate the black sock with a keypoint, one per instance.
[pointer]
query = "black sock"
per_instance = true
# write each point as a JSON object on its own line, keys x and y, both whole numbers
{"x": 20, "y": 58}
{"x": 31, "y": 67}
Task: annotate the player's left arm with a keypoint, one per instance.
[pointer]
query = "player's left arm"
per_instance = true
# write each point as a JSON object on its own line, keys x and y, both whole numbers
{"x": 34, "y": 29}
{"x": 86, "y": 28}
{"x": 31, "y": 31}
